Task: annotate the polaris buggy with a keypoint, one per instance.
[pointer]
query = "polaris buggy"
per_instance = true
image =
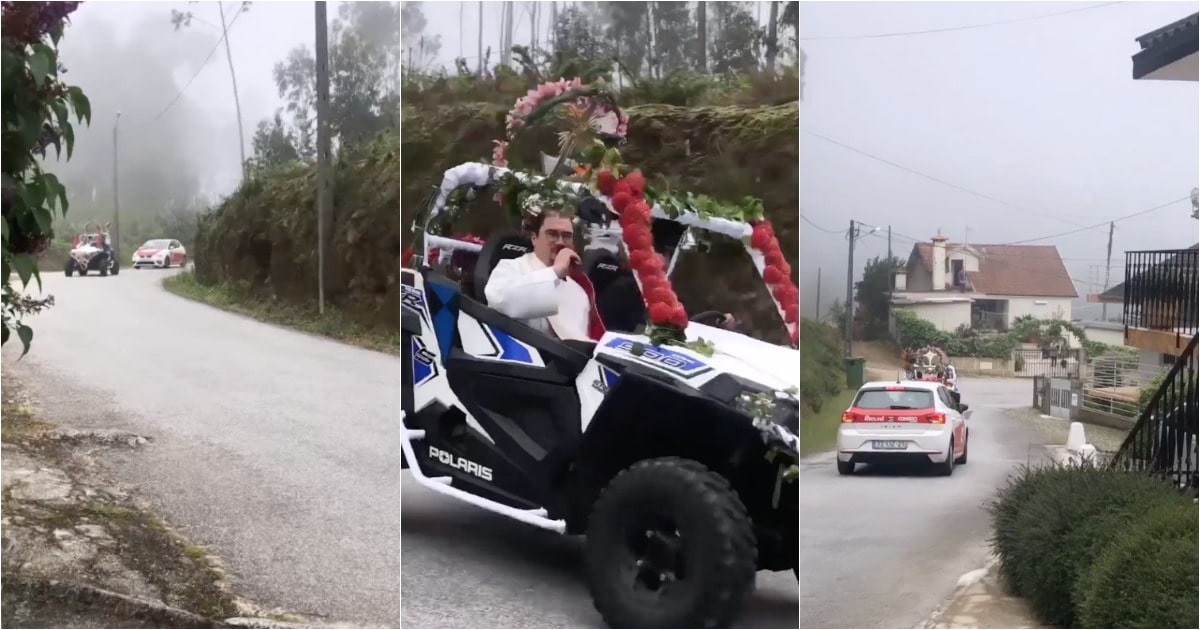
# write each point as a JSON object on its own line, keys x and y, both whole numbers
{"x": 92, "y": 251}
{"x": 679, "y": 468}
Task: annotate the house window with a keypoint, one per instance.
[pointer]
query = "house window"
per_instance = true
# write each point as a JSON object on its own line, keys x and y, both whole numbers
{"x": 1167, "y": 360}
{"x": 956, "y": 272}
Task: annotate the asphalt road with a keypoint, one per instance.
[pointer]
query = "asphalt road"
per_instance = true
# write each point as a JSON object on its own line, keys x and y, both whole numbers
{"x": 468, "y": 568}
{"x": 883, "y": 548}
{"x": 277, "y": 449}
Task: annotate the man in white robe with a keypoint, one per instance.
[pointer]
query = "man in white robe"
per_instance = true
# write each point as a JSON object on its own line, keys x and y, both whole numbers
{"x": 545, "y": 289}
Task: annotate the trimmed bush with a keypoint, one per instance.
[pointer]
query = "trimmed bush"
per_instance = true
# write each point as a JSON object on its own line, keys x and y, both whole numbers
{"x": 1050, "y": 523}
{"x": 1146, "y": 576}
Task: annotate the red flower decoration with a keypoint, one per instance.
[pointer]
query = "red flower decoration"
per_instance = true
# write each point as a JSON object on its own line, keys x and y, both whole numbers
{"x": 660, "y": 313}
{"x": 772, "y": 275}
{"x": 637, "y": 183}
{"x": 606, "y": 182}
{"x": 790, "y": 313}
{"x": 621, "y": 200}
{"x": 623, "y": 187}
{"x": 760, "y": 237}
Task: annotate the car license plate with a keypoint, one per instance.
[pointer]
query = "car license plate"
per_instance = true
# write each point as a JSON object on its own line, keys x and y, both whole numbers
{"x": 889, "y": 445}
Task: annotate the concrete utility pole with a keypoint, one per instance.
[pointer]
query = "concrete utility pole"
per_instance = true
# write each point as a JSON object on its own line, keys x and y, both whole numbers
{"x": 851, "y": 235}
{"x": 237, "y": 103}
{"x": 818, "y": 294}
{"x": 1107, "y": 270}
{"x": 116, "y": 227}
{"x": 324, "y": 190}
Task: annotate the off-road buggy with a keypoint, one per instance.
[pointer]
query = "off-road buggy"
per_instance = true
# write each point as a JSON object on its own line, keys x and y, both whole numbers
{"x": 92, "y": 251}
{"x": 675, "y": 457}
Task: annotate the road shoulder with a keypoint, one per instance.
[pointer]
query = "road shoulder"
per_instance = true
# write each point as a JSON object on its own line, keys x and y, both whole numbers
{"x": 80, "y": 551}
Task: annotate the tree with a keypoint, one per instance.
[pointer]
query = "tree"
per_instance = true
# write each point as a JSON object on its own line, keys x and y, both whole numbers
{"x": 273, "y": 144}
{"x": 701, "y": 43}
{"x": 673, "y": 30}
{"x": 626, "y": 32}
{"x": 364, "y": 61}
{"x": 736, "y": 37}
{"x": 579, "y": 36}
{"x": 873, "y": 293}
{"x": 772, "y": 36}
{"x": 37, "y": 108}
{"x": 412, "y": 31}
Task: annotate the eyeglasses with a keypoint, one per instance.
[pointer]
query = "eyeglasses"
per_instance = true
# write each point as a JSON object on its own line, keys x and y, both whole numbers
{"x": 556, "y": 235}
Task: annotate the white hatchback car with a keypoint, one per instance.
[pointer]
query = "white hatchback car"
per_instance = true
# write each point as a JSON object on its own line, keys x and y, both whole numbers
{"x": 903, "y": 421}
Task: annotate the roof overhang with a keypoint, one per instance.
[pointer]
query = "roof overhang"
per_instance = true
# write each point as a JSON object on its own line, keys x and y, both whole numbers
{"x": 1170, "y": 53}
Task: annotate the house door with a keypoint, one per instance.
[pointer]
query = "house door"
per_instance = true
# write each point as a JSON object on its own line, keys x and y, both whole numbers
{"x": 1060, "y": 398}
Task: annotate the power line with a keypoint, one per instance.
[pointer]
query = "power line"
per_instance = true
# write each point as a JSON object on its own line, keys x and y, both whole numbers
{"x": 932, "y": 178}
{"x": 959, "y": 28}
{"x": 1103, "y": 223}
{"x": 827, "y": 230}
{"x": 203, "y": 64}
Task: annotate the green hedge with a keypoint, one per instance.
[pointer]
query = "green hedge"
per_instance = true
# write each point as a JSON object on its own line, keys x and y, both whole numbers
{"x": 1051, "y": 524}
{"x": 1146, "y": 576}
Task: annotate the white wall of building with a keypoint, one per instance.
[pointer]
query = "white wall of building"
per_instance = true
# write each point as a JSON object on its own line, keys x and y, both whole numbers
{"x": 1039, "y": 307}
{"x": 947, "y": 316}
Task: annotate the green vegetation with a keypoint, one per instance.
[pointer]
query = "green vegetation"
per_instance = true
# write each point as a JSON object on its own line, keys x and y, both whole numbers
{"x": 822, "y": 385}
{"x": 241, "y": 299}
{"x": 1071, "y": 539}
{"x": 37, "y": 108}
{"x": 912, "y": 331}
{"x": 818, "y": 429}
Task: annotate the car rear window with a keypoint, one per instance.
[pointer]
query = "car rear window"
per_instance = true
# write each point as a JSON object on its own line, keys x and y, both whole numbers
{"x": 894, "y": 398}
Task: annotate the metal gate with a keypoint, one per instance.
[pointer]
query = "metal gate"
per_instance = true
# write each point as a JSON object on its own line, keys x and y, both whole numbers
{"x": 1060, "y": 398}
{"x": 1043, "y": 362}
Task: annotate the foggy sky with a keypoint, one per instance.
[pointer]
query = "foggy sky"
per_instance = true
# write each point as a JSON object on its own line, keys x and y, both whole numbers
{"x": 1042, "y": 114}
{"x": 444, "y": 20}
{"x": 127, "y": 56}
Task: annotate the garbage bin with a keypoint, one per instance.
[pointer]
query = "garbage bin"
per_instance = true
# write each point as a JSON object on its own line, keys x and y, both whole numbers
{"x": 855, "y": 372}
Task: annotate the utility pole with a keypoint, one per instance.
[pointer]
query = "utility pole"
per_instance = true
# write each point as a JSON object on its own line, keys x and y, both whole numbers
{"x": 1107, "y": 270}
{"x": 237, "y": 103}
{"x": 891, "y": 274}
{"x": 116, "y": 231}
{"x": 818, "y": 294}
{"x": 851, "y": 236}
{"x": 479, "y": 71}
{"x": 324, "y": 197}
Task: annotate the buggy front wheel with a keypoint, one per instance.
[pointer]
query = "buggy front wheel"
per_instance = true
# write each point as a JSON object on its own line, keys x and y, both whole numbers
{"x": 670, "y": 545}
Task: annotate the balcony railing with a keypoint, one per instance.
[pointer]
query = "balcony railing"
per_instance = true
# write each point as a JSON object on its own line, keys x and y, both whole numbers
{"x": 1161, "y": 291}
{"x": 1165, "y": 441}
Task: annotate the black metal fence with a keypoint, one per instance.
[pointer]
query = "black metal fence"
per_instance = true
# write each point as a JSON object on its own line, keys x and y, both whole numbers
{"x": 1046, "y": 362}
{"x": 1161, "y": 290}
{"x": 1166, "y": 438}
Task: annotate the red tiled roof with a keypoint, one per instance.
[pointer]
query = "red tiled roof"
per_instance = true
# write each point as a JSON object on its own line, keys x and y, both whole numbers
{"x": 1026, "y": 270}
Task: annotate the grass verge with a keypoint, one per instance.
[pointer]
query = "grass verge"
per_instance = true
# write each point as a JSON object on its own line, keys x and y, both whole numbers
{"x": 332, "y": 324}
{"x": 818, "y": 430}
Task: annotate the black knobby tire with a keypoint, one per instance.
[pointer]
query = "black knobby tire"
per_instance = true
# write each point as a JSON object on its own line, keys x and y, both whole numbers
{"x": 116, "y": 267}
{"x": 70, "y": 268}
{"x": 946, "y": 468}
{"x": 714, "y": 533}
{"x": 966, "y": 442}
{"x": 845, "y": 468}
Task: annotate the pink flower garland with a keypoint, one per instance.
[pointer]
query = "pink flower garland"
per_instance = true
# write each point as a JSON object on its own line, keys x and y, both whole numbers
{"x": 527, "y": 104}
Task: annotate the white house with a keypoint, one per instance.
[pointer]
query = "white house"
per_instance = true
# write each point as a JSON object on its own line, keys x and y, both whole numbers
{"x": 983, "y": 286}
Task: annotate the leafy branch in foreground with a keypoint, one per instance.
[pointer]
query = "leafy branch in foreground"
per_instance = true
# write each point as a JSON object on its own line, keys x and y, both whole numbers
{"x": 36, "y": 107}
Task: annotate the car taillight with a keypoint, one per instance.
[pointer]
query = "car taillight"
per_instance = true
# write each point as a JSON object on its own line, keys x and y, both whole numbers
{"x": 934, "y": 418}
{"x": 850, "y": 416}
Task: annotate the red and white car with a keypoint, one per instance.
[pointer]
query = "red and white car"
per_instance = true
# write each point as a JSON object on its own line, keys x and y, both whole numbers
{"x": 161, "y": 253}
{"x": 918, "y": 421}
